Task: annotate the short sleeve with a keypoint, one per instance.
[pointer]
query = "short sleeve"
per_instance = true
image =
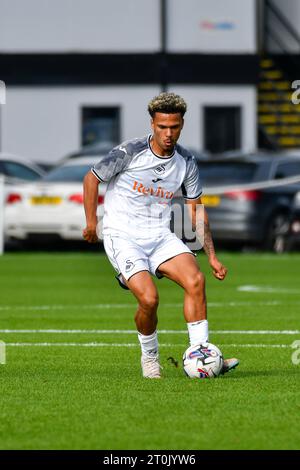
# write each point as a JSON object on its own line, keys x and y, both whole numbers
{"x": 113, "y": 163}
{"x": 191, "y": 186}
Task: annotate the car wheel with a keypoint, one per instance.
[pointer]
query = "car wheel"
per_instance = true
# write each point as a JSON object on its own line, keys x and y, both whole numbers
{"x": 277, "y": 236}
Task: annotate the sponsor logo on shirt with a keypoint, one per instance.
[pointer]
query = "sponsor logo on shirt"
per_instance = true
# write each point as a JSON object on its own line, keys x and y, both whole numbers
{"x": 156, "y": 192}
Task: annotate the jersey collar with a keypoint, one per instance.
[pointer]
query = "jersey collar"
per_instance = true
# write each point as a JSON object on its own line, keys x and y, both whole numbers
{"x": 159, "y": 156}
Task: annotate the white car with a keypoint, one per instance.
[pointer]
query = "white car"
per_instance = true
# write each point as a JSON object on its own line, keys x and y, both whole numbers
{"x": 51, "y": 206}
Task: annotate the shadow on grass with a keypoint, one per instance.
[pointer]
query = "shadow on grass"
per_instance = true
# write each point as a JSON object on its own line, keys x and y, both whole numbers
{"x": 241, "y": 374}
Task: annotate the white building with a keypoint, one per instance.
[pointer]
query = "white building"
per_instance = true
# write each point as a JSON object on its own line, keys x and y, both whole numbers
{"x": 81, "y": 70}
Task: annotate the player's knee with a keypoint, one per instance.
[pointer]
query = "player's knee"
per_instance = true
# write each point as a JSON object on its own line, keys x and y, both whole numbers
{"x": 149, "y": 301}
{"x": 196, "y": 284}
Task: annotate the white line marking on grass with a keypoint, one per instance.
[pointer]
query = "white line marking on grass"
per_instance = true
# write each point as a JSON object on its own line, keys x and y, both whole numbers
{"x": 243, "y": 304}
{"x": 257, "y": 345}
{"x": 129, "y": 305}
{"x": 221, "y": 332}
{"x": 133, "y": 345}
{"x": 267, "y": 290}
{"x": 64, "y": 307}
{"x": 51, "y": 331}
{"x": 257, "y": 332}
{"x": 88, "y": 345}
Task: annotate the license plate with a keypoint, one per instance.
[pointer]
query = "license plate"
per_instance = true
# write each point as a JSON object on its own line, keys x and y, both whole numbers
{"x": 210, "y": 200}
{"x": 50, "y": 200}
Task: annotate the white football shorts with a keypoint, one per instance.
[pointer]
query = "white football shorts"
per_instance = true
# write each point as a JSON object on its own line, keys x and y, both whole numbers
{"x": 130, "y": 256}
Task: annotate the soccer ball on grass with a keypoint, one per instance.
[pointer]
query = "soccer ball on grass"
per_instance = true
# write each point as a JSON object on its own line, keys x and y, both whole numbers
{"x": 203, "y": 361}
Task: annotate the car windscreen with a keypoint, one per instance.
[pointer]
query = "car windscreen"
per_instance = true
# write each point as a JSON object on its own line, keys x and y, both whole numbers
{"x": 219, "y": 173}
{"x": 20, "y": 171}
{"x": 71, "y": 173}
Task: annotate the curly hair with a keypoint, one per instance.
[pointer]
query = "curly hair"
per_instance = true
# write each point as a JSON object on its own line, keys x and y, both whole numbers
{"x": 167, "y": 103}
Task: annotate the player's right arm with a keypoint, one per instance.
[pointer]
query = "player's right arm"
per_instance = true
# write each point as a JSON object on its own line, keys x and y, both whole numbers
{"x": 113, "y": 163}
{"x": 90, "y": 201}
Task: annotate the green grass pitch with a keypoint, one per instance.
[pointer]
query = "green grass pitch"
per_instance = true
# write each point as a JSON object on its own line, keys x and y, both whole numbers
{"x": 74, "y": 388}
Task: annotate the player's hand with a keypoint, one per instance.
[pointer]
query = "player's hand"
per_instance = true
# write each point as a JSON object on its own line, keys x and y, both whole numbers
{"x": 219, "y": 270}
{"x": 90, "y": 234}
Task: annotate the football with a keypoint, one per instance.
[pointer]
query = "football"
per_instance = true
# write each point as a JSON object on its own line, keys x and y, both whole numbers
{"x": 203, "y": 361}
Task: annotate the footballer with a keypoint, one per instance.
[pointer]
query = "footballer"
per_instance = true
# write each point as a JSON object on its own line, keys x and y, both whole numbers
{"x": 142, "y": 176}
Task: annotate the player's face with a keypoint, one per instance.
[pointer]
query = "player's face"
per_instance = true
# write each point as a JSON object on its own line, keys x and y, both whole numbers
{"x": 166, "y": 131}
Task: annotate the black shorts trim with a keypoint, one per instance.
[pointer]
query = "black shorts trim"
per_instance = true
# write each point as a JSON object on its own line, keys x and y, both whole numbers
{"x": 121, "y": 284}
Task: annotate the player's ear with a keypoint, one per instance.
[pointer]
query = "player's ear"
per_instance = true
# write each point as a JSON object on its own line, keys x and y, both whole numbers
{"x": 182, "y": 124}
{"x": 152, "y": 124}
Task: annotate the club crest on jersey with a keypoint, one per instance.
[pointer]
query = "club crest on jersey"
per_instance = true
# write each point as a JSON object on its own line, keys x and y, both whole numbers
{"x": 159, "y": 170}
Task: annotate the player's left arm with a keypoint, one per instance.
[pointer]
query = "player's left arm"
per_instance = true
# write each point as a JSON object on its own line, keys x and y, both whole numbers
{"x": 201, "y": 226}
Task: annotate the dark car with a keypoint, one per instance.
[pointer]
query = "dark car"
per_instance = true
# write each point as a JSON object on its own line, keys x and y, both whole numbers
{"x": 245, "y": 200}
{"x": 294, "y": 233}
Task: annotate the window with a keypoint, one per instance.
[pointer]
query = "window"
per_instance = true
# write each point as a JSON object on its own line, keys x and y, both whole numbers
{"x": 287, "y": 169}
{"x": 218, "y": 173}
{"x": 222, "y": 128}
{"x": 100, "y": 125}
{"x": 67, "y": 173}
{"x": 17, "y": 170}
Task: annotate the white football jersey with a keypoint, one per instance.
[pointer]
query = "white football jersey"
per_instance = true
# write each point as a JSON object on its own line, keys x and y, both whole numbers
{"x": 141, "y": 186}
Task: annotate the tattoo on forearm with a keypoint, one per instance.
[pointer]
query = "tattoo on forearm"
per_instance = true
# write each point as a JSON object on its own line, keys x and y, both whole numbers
{"x": 208, "y": 245}
{"x": 203, "y": 233}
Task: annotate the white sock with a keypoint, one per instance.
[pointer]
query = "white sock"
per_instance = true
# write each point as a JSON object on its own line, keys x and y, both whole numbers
{"x": 149, "y": 344}
{"x": 198, "y": 332}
